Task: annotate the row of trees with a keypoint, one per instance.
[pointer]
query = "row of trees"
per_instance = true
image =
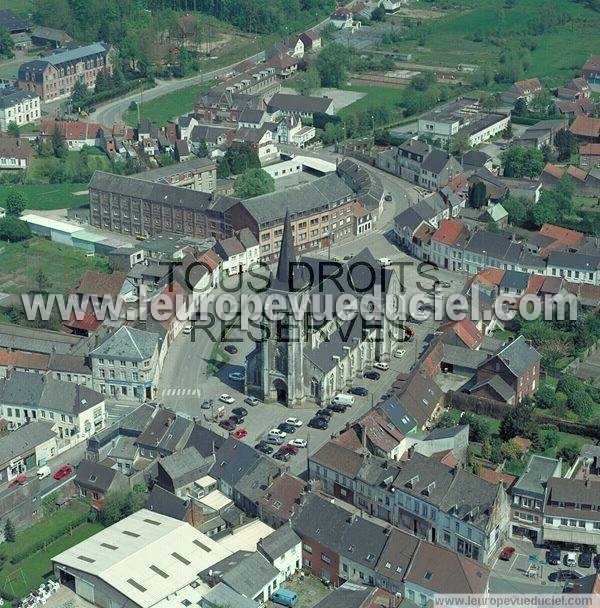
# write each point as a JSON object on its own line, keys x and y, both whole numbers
{"x": 237, "y": 161}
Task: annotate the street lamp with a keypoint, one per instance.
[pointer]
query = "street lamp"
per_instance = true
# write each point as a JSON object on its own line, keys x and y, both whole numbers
{"x": 373, "y": 126}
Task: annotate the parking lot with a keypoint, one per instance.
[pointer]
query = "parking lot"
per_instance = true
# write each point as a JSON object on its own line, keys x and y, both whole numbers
{"x": 512, "y": 575}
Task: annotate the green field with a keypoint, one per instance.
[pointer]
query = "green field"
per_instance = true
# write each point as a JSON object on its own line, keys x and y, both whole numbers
{"x": 559, "y": 54}
{"x": 63, "y": 265}
{"x": 20, "y": 579}
{"x": 49, "y": 196}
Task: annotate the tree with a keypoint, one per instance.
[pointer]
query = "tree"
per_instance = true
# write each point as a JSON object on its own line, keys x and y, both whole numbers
{"x": 545, "y": 396}
{"x": 15, "y": 203}
{"x": 460, "y": 144}
{"x": 520, "y": 107}
{"x": 566, "y": 144}
{"x": 521, "y": 162}
{"x": 253, "y": 182}
{"x": 13, "y": 129}
{"x": 332, "y": 64}
{"x": 79, "y": 94}
{"x": 7, "y": 44}
{"x": 202, "y": 149}
{"x": 486, "y": 449}
{"x": 582, "y": 404}
{"x": 540, "y": 102}
{"x": 13, "y": 230}
{"x": 42, "y": 280}
{"x": 223, "y": 169}
{"x": 10, "y": 534}
{"x": 511, "y": 450}
{"x": 568, "y": 453}
{"x": 59, "y": 144}
{"x": 477, "y": 195}
{"x": 445, "y": 421}
{"x": 496, "y": 450}
{"x": 479, "y": 428}
{"x": 308, "y": 82}
{"x": 517, "y": 421}
{"x": 517, "y": 210}
{"x": 544, "y": 212}
{"x": 378, "y": 14}
{"x": 547, "y": 437}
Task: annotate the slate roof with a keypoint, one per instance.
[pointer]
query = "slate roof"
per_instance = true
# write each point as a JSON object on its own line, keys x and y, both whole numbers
{"x": 36, "y": 390}
{"x": 10, "y": 96}
{"x": 128, "y": 343}
{"x": 498, "y": 246}
{"x": 251, "y": 115}
{"x": 497, "y": 384}
{"x": 233, "y": 460}
{"x": 475, "y": 158}
{"x": 299, "y": 103}
{"x": 24, "y": 439}
{"x": 349, "y": 595}
{"x": 222, "y": 595}
{"x": 436, "y": 161}
{"x": 397, "y": 414}
{"x": 185, "y": 466}
{"x": 204, "y": 440}
{"x": 339, "y": 458}
{"x": 247, "y": 239}
{"x": 322, "y": 521}
{"x": 279, "y": 542}
{"x": 95, "y": 476}
{"x": 363, "y": 542}
{"x": 397, "y": 555}
{"x": 250, "y": 575}
{"x": 75, "y": 364}
{"x": 298, "y": 200}
{"x": 445, "y": 432}
{"x": 575, "y": 261}
{"x": 413, "y": 217}
{"x": 519, "y": 356}
{"x": 138, "y": 187}
{"x": 11, "y": 21}
{"x": 515, "y": 280}
{"x": 164, "y": 502}
{"x": 532, "y": 481}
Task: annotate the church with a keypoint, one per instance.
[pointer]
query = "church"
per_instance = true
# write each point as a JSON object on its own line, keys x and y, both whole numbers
{"x": 309, "y": 361}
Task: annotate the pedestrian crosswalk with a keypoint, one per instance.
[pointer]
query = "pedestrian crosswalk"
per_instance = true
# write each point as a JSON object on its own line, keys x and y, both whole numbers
{"x": 180, "y": 392}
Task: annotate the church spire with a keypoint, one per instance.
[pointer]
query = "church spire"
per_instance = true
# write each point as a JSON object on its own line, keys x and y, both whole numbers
{"x": 289, "y": 275}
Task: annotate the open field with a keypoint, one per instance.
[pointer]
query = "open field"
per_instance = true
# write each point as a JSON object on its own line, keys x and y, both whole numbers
{"x": 373, "y": 96}
{"x": 448, "y": 40}
{"x": 49, "y": 196}
{"x": 62, "y": 265}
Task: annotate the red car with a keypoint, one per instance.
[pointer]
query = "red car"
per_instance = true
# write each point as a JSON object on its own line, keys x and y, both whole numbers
{"x": 507, "y": 553}
{"x": 64, "y": 471}
{"x": 292, "y": 450}
{"x": 21, "y": 479}
{"x": 239, "y": 433}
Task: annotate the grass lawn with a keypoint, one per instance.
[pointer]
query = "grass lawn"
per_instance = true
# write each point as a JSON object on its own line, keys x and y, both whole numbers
{"x": 63, "y": 265}
{"x": 50, "y": 196}
{"x": 589, "y": 202}
{"x": 504, "y": 334}
{"x": 448, "y": 42}
{"x": 310, "y": 590}
{"x": 38, "y": 567}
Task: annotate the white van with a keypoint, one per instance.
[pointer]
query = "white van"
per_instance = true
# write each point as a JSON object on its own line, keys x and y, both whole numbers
{"x": 343, "y": 399}
{"x": 384, "y": 261}
{"x": 571, "y": 560}
{"x": 43, "y": 472}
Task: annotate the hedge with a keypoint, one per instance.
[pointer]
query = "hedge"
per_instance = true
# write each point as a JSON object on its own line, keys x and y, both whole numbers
{"x": 531, "y": 120}
{"x": 58, "y": 533}
{"x": 127, "y": 87}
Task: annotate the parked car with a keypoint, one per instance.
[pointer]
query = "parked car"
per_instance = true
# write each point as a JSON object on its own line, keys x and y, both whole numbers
{"x": 240, "y": 411}
{"x": 64, "y": 471}
{"x": 444, "y": 284}
{"x": 565, "y": 575}
{"x": 361, "y": 391}
{"x": 585, "y": 559}
{"x": 298, "y": 443}
{"x": 207, "y": 404}
{"x": 251, "y": 401}
{"x": 294, "y": 421}
{"x": 399, "y": 353}
{"x": 336, "y": 407}
{"x": 277, "y": 433}
{"x": 292, "y": 450}
{"x": 597, "y": 561}
{"x": 287, "y": 428}
{"x": 381, "y": 365}
{"x": 507, "y": 553}
{"x": 384, "y": 261}
{"x": 284, "y": 456}
{"x": 21, "y": 479}
{"x": 228, "y": 425}
{"x": 388, "y": 197}
{"x": 274, "y": 440}
{"x": 237, "y": 376}
{"x": 324, "y": 414}
{"x": 553, "y": 556}
{"x": 285, "y": 597}
{"x": 225, "y": 398}
{"x": 571, "y": 559}
{"x": 231, "y": 349}
{"x": 239, "y": 434}
{"x": 264, "y": 447}
{"x": 187, "y": 330}
{"x": 237, "y": 419}
{"x": 318, "y": 423}
{"x": 372, "y": 375}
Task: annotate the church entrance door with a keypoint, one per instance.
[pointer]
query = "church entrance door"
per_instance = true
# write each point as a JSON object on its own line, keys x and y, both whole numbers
{"x": 282, "y": 393}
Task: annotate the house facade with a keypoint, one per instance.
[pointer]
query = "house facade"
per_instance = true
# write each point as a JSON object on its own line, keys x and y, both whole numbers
{"x": 18, "y": 106}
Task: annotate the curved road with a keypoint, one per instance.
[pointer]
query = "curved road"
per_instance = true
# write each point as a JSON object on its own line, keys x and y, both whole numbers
{"x": 113, "y": 111}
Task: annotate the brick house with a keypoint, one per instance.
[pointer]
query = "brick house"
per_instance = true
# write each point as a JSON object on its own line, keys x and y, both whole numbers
{"x": 517, "y": 364}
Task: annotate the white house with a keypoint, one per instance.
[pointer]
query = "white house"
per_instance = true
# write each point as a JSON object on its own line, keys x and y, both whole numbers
{"x": 18, "y": 106}
{"x": 76, "y": 411}
{"x": 283, "y": 549}
{"x": 239, "y": 253}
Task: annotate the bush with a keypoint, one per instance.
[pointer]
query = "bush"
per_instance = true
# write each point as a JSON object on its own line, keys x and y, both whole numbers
{"x": 13, "y": 229}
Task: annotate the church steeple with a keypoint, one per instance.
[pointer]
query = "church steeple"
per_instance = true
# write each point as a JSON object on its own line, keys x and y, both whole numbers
{"x": 289, "y": 276}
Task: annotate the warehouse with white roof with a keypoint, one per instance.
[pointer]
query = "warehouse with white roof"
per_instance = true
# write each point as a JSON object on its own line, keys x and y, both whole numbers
{"x": 138, "y": 562}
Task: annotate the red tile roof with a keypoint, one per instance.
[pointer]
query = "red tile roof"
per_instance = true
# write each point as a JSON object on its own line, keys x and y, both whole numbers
{"x": 466, "y": 331}
{"x": 489, "y": 276}
{"x": 584, "y": 126}
{"x": 100, "y": 283}
{"x": 576, "y": 173}
{"x": 9, "y": 358}
{"x": 590, "y": 150}
{"x": 71, "y": 129}
{"x": 571, "y": 238}
{"x": 449, "y": 232}
{"x": 210, "y": 260}
{"x": 554, "y": 170}
{"x": 282, "y": 495}
{"x": 496, "y": 477}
